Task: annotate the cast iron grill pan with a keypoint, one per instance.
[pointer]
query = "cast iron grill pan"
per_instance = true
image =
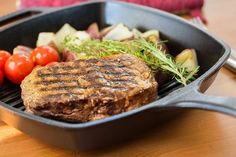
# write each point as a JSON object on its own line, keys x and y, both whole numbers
{"x": 211, "y": 52}
{"x": 11, "y": 95}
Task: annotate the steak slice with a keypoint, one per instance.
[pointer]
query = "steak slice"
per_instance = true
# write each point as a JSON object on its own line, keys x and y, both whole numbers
{"x": 85, "y": 90}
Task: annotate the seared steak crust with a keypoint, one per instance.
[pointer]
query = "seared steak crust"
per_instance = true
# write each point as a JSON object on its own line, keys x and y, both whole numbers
{"x": 85, "y": 90}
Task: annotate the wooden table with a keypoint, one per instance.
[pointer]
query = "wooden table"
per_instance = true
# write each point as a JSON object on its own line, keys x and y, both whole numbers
{"x": 196, "y": 133}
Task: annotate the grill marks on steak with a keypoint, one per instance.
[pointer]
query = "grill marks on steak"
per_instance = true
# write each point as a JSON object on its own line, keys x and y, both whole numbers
{"x": 57, "y": 79}
{"x": 85, "y": 90}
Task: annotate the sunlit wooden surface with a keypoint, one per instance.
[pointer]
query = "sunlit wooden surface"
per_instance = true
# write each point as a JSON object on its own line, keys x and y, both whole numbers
{"x": 195, "y": 133}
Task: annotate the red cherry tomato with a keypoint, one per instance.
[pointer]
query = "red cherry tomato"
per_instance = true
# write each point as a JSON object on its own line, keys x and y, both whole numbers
{"x": 17, "y": 67}
{"x": 1, "y": 77}
{"x": 4, "y": 55}
{"x": 43, "y": 55}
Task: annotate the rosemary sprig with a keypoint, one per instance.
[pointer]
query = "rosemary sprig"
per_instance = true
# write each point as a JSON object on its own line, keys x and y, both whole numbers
{"x": 167, "y": 63}
{"x": 149, "y": 52}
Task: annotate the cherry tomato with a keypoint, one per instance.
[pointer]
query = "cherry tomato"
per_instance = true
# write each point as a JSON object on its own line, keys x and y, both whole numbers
{"x": 43, "y": 55}
{"x": 1, "y": 77}
{"x": 17, "y": 67}
{"x": 4, "y": 55}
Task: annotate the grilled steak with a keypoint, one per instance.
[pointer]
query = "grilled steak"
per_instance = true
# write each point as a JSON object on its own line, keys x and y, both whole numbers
{"x": 85, "y": 90}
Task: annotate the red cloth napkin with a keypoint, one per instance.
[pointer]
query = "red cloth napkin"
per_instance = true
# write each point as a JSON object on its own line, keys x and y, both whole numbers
{"x": 191, "y": 7}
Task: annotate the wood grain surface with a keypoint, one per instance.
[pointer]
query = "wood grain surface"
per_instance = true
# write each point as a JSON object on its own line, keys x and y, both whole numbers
{"x": 195, "y": 133}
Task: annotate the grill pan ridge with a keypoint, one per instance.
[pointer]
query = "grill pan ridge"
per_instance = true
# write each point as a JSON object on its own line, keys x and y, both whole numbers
{"x": 83, "y": 136}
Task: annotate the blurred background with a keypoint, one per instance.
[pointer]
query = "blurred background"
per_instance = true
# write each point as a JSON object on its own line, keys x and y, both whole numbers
{"x": 180, "y": 7}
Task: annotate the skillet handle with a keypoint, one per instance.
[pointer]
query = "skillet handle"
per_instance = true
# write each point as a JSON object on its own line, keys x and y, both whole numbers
{"x": 20, "y": 15}
{"x": 198, "y": 100}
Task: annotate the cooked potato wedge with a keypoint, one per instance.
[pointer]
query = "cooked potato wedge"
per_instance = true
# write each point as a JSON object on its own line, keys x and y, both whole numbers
{"x": 65, "y": 30}
{"x": 45, "y": 38}
{"x": 81, "y": 36}
{"x": 188, "y": 59}
{"x": 136, "y": 33}
{"x": 151, "y": 33}
{"x": 119, "y": 32}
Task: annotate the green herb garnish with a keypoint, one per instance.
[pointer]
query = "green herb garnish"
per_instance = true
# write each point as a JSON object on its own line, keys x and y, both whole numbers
{"x": 167, "y": 63}
{"x": 149, "y": 52}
